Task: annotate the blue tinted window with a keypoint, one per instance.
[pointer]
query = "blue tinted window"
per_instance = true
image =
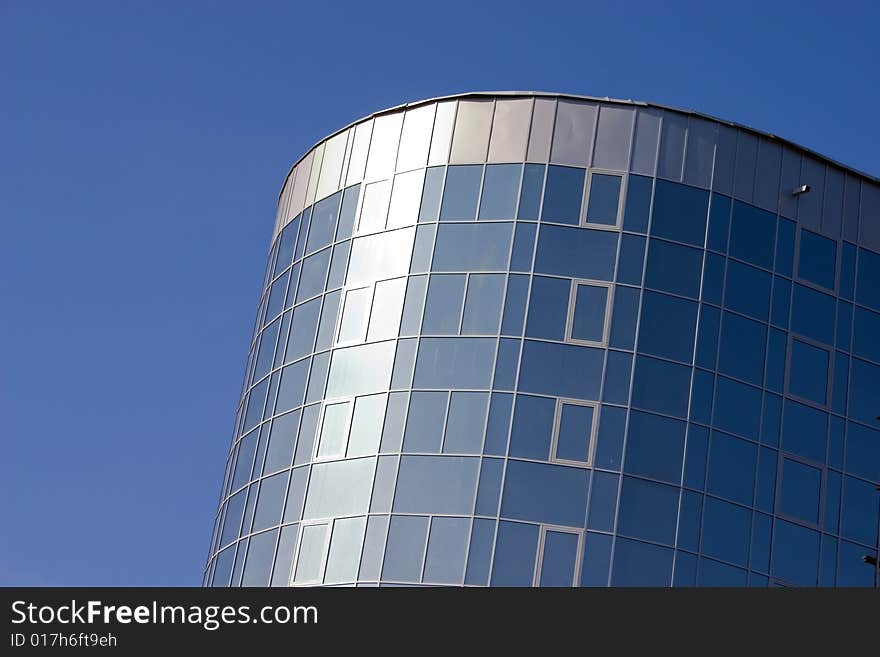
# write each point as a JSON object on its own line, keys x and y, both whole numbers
{"x": 323, "y": 225}
{"x": 530, "y": 196}
{"x": 859, "y": 511}
{"x": 867, "y": 290}
{"x": 624, "y": 314}
{"x": 604, "y": 199}
{"x": 702, "y": 390}
{"x": 303, "y": 327}
{"x": 515, "y": 548}
{"x": 552, "y": 494}
{"x": 631, "y": 263}
{"x": 563, "y": 194}
{"x": 436, "y": 484}
{"x": 795, "y": 554}
{"x": 747, "y": 290}
{"x": 690, "y": 518}
{"x": 560, "y": 369}
{"x": 667, "y": 327}
{"x": 515, "y": 305}
{"x": 532, "y": 427}
{"x": 785, "y": 248}
{"x": 741, "y": 349}
{"x": 731, "y": 468}
{"x": 523, "y": 247}
{"x": 500, "y": 187}
{"x": 612, "y": 425}
{"x": 844, "y": 325}
{"x": 424, "y": 424}
{"x": 781, "y": 302}
{"x": 279, "y": 454}
{"x": 575, "y": 430}
{"x": 447, "y": 546}
{"x": 423, "y": 249}
{"x": 443, "y": 306}
{"x": 680, "y": 212}
{"x": 809, "y": 372}
{"x": 713, "y": 278}
{"x": 466, "y": 421}
{"x": 695, "y": 459}
{"x": 638, "y": 203}
{"x": 737, "y": 407}
{"x": 648, "y": 510}
{"x": 461, "y": 192}
{"x": 772, "y": 420}
{"x": 576, "y": 252}
{"x": 489, "y": 490}
{"x": 804, "y": 431}
{"x": 617, "y": 377}
{"x": 506, "y": 364}
{"x": 314, "y": 275}
{"x": 480, "y": 552}
{"x": 498, "y": 423}
{"x": 654, "y": 447}
{"x": 863, "y": 451}
{"x": 719, "y": 223}
{"x": 707, "y": 336}
{"x": 759, "y": 559}
{"x": 765, "y": 491}
{"x": 714, "y": 573}
{"x": 776, "y": 348}
{"x": 847, "y": 270}
{"x": 588, "y": 319}
{"x": 865, "y": 334}
{"x": 726, "y": 529}
{"x": 548, "y": 308}
{"x": 661, "y": 386}
{"x": 641, "y": 564}
{"x": 338, "y": 263}
{"x": 454, "y": 363}
{"x": 674, "y": 268}
{"x": 405, "y": 548}
{"x": 817, "y": 259}
{"x": 482, "y": 307}
{"x": 345, "y": 225}
{"x": 560, "y": 554}
{"x": 431, "y": 194}
{"x": 864, "y": 398}
{"x": 285, "y": 246}
{"x": 799, "y": 496}
{"x": 812, "y": 314}
{"x": 479, "y": 247}
{"x": 752, "y": 235}
{"x": 603, "y": 501}
{"x": 293, "y": 386}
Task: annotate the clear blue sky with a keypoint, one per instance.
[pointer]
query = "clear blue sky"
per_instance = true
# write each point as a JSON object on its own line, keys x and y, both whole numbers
{"x": 142, "y": 146}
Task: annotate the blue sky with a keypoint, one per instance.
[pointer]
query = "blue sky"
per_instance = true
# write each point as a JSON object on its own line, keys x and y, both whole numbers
{"x": 142, "y": 146}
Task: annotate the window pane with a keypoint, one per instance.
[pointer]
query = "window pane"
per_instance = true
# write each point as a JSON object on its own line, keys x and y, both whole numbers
{"x": 355, "y": 311}
{"x": 817, "y": 259}
{"x": 548, "y": 308}
{"x": 366, "y": 425}
{"x": 809, "y": 372}
{"x": 680, "y": 212}
{"x": 667, "y": 327}
{"x": 436, "y": 484}
{"x": 515, "y": 548}
{"x": 648, "y": 510}
{"x": 466, "y": 421}
{"x": 386, "y": 309}
{"x": 752, "y": 235}
{"x": 552, "y": 494}
{"x": 361, "y": 370}
{"x": 638, "y": 204}
{"x": 641, "y": 564}
{"x": 804, "y": 431}
{"x": 447, "y": 545}
{"x": 655, "y": 447}
{"x": 575, "y": 432}
{"x": 726, "y": 530}
{"x": 795, "y": 554}
{"x": 386, "y": 255}
{"x": 334, "y": 430}
{"x": 311, "y": 554}
{"x": 732, "y": 468}
{"x": 741, "y": 348}
{"x": 500, "y": 188}
{"x": 454, "y": 363}
{"x": 323, "y": 224}
{"x": 405, "y": 199}
{"x": 674, "y": 268}
{"x": 561, "y": 369}
{"x": 479, "y": 247}
{"x": 604, "y": 199}
{"x": 560, "y": 554}
{"x": 812, "y": 314}
{"x": 345, "y": 225}
{"x": 461, "y": 192}
{"x": 532, "y": 427}
{"x": 345, "y": 550}
{"x": 443, "y": 307}
{"x": 563, "y": 194}
{"x": 576, "y": 252}
{"x": 661, "y": 386}
{"x": 424, "y": 423}
{"x": 800, "y": 491}
{"x": 339, "y": 488}
{"x": 482, "y": 306}
{"x": 405, "y": 549}
{"x": 588, "y": 322}
{"x": 431, "y": 194}
{"x": 747, "y": 290}
{"x": 532, "y": 186}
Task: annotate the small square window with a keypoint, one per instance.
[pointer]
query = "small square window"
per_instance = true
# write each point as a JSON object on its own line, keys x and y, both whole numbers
{"x": 604, "y": 203}
{"x": 588, "y": 312}
{"x": 574, "y": 431}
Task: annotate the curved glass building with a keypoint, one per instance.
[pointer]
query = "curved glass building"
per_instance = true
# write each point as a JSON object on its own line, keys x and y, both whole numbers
{"x": 540, "y": 340}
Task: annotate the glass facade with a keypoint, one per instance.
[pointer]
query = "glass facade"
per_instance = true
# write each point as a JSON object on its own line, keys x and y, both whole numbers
{"x": 529, "y": 340}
